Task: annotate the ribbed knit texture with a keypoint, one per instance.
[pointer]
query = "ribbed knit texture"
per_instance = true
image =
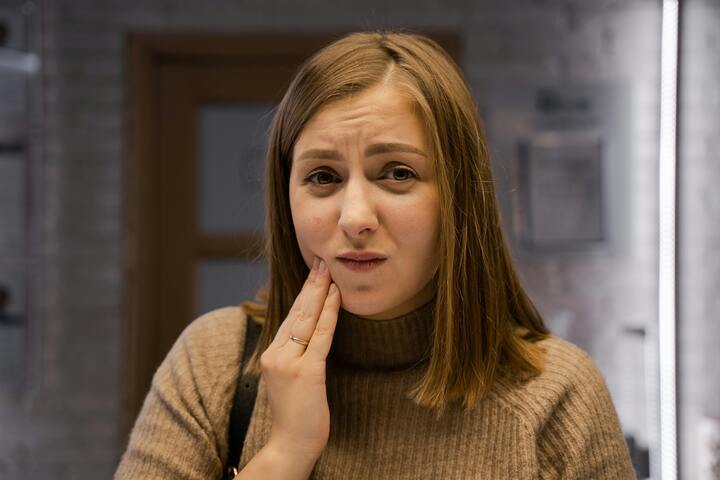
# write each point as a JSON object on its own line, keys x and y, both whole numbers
{"x": 561, "y": 424}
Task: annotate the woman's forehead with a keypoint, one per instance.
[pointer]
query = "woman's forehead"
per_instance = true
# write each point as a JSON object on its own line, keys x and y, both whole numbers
{"x": 378, "y": 115}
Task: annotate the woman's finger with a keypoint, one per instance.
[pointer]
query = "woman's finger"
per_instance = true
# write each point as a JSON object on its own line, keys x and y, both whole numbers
{"x": 321, "y": 339}
{"x": 283, "y": 332}
{"x": 314, "y": 295}
{"x": 309, "y": 290}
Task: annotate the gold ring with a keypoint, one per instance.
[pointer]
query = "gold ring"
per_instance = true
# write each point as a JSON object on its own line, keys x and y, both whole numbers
{"x": 302, "y": 342}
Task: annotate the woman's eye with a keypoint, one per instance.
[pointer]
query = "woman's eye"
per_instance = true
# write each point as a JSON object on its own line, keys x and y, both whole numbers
{"x": 401, "y": 174}
{"x": 321, "y": 178}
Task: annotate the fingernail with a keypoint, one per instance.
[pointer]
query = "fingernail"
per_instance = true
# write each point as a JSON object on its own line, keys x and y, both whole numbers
{"x": 333, "y": 289}
{"x": 315, "y": 263}
{"x": 321, "y": 266}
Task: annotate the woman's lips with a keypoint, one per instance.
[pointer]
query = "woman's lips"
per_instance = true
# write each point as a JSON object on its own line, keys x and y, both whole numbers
{"x": 362, "y": 266}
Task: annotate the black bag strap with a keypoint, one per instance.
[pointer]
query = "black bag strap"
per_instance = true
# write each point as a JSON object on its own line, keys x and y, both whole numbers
{"x": 245, "y": 393}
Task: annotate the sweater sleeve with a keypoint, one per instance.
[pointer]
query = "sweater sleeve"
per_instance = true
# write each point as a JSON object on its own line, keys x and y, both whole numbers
{"x": 582, "y": 438}
{"x": 180, "y": 432}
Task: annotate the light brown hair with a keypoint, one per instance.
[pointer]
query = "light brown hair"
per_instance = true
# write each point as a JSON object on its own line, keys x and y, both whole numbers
{"x": 485, "y": 323}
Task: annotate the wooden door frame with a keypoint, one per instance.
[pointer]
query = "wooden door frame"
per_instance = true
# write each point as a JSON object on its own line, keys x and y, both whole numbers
{"x": 146, "y": 52}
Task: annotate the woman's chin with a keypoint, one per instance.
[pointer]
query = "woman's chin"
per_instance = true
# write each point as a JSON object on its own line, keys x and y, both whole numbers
{"x": 365, "y": 307}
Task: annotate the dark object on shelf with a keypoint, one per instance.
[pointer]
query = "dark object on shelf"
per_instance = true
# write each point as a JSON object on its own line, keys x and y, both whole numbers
{"x": 640, "y": 457}
{"x": 637, "y": 331}
{"x": 551, "y": 100}
{"x": 13, "y": 147}
{"x": 5, "y": 317}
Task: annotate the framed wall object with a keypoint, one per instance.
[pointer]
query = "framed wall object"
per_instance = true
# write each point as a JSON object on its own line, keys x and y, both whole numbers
{"x": 560, "y": 203}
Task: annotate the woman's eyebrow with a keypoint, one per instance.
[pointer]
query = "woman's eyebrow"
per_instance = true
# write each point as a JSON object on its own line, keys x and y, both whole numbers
{"x": 379, "y": 148}
{"x": 320, "y": 154}
{"x": 374, "y": 149}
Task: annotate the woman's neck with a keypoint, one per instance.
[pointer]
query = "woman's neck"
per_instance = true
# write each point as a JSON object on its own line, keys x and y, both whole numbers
{"x": 386, "y": 344}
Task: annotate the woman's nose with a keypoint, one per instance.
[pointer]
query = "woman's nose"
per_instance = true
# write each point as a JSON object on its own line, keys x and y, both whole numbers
{"x": 357, "y": 212}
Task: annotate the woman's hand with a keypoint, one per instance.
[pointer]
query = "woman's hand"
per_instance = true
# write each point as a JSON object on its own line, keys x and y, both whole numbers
{"x": 295, "y": 375}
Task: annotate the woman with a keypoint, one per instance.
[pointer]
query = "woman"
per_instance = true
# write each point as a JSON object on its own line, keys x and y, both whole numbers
{"x": 397, "y": 341}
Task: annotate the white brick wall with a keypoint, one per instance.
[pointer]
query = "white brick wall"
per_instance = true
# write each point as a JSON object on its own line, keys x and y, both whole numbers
{"x": 65, "y": 428}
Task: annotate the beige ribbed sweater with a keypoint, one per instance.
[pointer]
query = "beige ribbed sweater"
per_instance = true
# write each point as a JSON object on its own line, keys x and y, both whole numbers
{"x": 561, "y": 424}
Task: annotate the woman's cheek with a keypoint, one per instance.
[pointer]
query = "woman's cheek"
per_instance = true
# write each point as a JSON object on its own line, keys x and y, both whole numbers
{"x": 311, "y": 235}
{"x": 317, "y": 221}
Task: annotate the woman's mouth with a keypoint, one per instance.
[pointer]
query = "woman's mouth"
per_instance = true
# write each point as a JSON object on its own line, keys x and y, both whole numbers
{"x": 362, "y": 265}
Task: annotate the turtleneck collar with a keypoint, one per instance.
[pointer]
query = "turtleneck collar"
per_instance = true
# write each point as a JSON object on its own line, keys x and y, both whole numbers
{"x": 387, "y": 344}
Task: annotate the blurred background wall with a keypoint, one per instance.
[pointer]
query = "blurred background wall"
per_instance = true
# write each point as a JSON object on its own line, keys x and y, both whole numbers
{"x": 699, "y": 229}
{"x": 61, "y": 420}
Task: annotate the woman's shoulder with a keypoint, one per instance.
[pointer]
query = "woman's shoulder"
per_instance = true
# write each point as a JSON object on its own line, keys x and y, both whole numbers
{"x": 190, "y": 397}
{"x": 568, "y": 374}
{"x": 569, "y": 412}
{"x": 211, "y": 345}
{"x": 219, "y": 325}
{"x": 566, "y": 363}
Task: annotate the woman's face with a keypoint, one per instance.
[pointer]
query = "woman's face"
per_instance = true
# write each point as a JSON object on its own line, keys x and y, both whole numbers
{"x": 362, "y": 181}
